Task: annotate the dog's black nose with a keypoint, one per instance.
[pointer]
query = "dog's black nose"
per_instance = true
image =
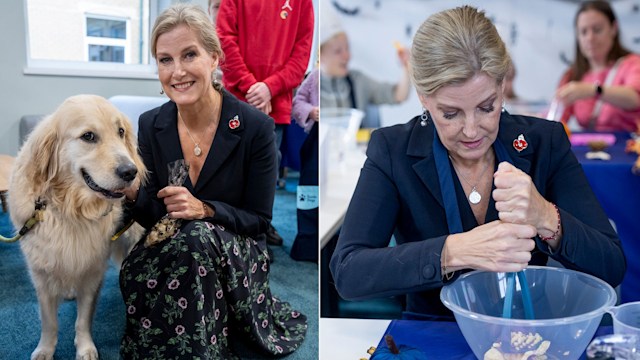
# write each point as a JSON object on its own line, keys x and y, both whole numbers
{"x": 127, "y": 172}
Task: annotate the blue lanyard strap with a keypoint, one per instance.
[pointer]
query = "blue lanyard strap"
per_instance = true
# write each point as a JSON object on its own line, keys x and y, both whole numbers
{"x": 449, "y": 199}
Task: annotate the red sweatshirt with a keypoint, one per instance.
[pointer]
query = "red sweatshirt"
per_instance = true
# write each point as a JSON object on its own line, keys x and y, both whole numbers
{"x": 264, "y": 40}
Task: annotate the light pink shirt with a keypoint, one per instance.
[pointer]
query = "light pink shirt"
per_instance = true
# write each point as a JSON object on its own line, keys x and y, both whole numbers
{"x": 611, "y": 118}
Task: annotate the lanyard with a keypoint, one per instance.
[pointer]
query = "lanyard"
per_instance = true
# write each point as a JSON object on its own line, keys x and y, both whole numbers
{"x": 445, "y": 178}
{"x": 598, "y": 105}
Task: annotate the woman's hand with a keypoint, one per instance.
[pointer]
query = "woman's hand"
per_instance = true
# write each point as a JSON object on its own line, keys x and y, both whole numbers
{"x": 517, "y": 199}
{"x": 314, "y": 114}
{"x": 181, "y": 204}
{"x": 495, "y": 246}
{"x": 266, "y": 108}
{"x": 401, "y": 92}
{"x": 624, "y": 97}
{"x": 403, "y": 55}
{"x": 519, "y": 202}
{"x": 575, "y": 90}
{"x": 258, "y": 95}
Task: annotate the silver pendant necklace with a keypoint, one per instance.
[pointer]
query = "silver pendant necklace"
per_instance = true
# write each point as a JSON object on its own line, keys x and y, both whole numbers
{"x": 474, "y": 196}
{"x": 197, "y": 151}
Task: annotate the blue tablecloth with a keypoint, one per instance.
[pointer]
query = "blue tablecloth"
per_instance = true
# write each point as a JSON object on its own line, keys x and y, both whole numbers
{"x": 440, "y": 340}
{"x": 618, "y": 191}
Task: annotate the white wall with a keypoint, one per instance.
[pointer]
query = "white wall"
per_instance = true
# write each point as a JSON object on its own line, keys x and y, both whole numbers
{"x": 22, "y": 94}
{"x": 537, "y": 33}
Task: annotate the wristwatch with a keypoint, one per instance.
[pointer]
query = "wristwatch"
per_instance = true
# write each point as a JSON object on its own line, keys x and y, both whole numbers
{"x": 598, "y": 90}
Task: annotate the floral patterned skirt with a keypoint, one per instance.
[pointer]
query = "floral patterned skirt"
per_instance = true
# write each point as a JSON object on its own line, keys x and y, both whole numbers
{"x": 188, "y": 296}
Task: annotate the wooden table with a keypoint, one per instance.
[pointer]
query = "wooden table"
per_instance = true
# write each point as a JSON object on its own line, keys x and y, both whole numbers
{"x": 6, "y": 164}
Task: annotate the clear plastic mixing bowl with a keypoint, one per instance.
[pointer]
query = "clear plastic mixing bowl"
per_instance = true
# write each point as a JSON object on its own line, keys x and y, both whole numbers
{"x": 568, "y": 307}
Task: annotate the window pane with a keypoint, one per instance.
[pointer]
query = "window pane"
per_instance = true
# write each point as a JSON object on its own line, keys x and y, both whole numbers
{"x": 68, "y": 30}
{"x": 106, "y": 28}
{"x": 106, "y": 53}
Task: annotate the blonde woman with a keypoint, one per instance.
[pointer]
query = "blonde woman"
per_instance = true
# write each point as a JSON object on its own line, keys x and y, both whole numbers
{"x": 466, "y": 185}
{"x": 192, "y": 292}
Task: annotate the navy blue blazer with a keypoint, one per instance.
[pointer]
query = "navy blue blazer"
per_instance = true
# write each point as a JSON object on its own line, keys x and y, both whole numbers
{"x": 238, "y": 178}
{"x": 398, "y": 193}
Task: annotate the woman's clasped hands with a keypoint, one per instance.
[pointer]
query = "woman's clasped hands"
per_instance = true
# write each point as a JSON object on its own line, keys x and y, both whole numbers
{"x": 505, "y": 245}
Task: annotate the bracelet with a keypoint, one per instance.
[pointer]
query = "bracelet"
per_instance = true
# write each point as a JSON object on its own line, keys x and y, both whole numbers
{"x": 556, "y": 234}
{"x": 445, "y": 276}
{"x": 206, "y": 208}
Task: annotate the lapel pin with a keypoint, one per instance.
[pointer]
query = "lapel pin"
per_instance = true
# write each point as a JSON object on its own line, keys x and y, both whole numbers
{"x": 520, "y": 143}
{"x": 234, "y": 123}
{"x": 284, "y": 14}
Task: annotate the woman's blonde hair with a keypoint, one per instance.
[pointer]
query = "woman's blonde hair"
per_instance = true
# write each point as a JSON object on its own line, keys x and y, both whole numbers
{"x": 454, "y": 45}
{"x": 192, "y": 16}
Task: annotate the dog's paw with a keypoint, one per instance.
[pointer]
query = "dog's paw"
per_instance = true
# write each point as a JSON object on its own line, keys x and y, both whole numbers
{"x": 90, "y": 353}
{"x": 85, "y": 348}
{"x": 40, "y": 353}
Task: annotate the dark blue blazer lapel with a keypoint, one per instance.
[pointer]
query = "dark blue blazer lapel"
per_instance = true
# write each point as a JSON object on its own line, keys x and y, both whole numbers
{"x": 225, "y": 141}
{"x": 421, "y": 146}
{"x": 167, "y": 136}
{"x": 507, "y": 134}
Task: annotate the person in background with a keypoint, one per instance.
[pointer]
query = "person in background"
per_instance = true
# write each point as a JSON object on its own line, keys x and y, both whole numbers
{"x": 342, "y": 87}
{"x": 509, "y": 78}
{"x": 208, "y": 283}
{"x": 602, "y": 86}
{"x": 213, "y": 7}
{"x": 267, "y": 45}
{"x": 465, "y": 185}
{"x": 306, "y": 102}
{"x": 306, "y": 112}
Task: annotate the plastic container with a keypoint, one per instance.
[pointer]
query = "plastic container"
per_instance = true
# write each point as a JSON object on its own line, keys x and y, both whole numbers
{"x": 568, "y": 307}
{"x": 344, "y": 121}
{"x": 624, "y": 344}
{"x": 616, "y": 346}
{"x": 626, "y": 318}
{"x": 339, "y": 127}
{"x": 556, "y": 109}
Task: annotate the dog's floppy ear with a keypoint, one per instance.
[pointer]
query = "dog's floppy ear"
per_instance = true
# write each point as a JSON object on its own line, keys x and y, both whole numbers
{"x": 43, "y": 163}
{"x": 131, "y": 142}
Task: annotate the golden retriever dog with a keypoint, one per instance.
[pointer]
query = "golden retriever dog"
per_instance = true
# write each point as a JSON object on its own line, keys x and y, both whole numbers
{"x": 76, "y": 161}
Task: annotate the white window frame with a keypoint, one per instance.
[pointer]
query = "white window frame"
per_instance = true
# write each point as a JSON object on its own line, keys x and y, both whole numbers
{"x": 106, "y": 41}
{"x": 93, "y": 68}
